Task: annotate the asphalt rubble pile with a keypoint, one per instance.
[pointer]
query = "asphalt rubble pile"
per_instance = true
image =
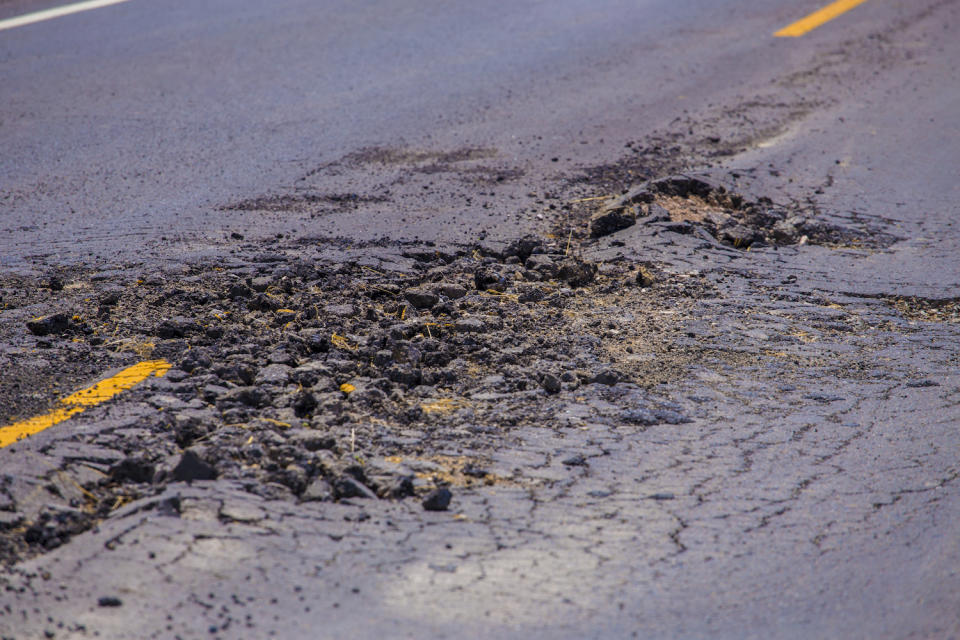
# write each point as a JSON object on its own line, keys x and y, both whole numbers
{"x": 307, "y": 380}
{"x": 689, "y": 204}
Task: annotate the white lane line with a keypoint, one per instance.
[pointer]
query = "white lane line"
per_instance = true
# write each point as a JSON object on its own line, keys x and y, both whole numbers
{"x": 56, "y": 12}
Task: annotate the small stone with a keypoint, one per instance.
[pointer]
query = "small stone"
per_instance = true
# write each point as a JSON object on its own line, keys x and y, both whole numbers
{"x": 551, "y": 383}
{"x": 109, "y": 601}
{"x": 110, "y": 297}
{"x": 576, "y": 460}
{"x": 274, "y": 374}
{"x": 468, "y": 325}
{"x": 486, "y": 278}
{"x": 195, "y": 359}
{"x": 785, "y": 232}
{"x": 176, "y": 327}
{"x": 645, "y": 277}
{"x": 607, "y": 377}
{"x": 404, "y": 352}
{"x": 612, "y": 219}
{"x": 348, "y": 487}
{"x": 176, "y": 375}
{"x": 405, "y": 374}
{"x": 663, "y": 496}
{"x": 319, "y": 490}
{"x": 261, "y": 284}
{"x": 191, "y": 467}
{"x": 421, "y": 298}
{"x": 739, "y": 236}
{"x": 239, "y": 291}
{"x": 167, "y": 402}
{"x": 656, "y": 213}
{"x": 304, "y": 403}
{"x": 452, "y": 290}
{"x": 531, "y": 293}
{"x": 282, "y": 356}
{"x": 397, "y": 488}
{"x": 240, "y": 512}
{"x": 438, "y": 500}
{"x": 309, "y": 374}
{"x": 340, "y": 310}
{"x": 312, "y": 440}
{"x": 523, "y": 247}
{"x": 542, "y": 264}
{"x": 54, "y": 324}
{"x": 577, "y": 273}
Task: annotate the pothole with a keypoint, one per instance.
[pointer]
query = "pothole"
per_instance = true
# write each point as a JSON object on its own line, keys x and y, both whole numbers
{"x": 294, "y": 376}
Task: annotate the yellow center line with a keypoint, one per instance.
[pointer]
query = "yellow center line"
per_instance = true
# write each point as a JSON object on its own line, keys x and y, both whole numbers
{"x": 83, "y": 399}
{"x": 817, "y": 18}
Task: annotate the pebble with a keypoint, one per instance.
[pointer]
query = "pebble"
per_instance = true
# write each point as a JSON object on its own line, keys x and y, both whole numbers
{"x": 576, "y": 460}
{"x": 318, "y": 490}
{"x": 421, "y": 297}
{"x": 109, "y": 601}
{"x": 273, "y": 374}
{"x": 551, "y": 383}
{"x": 261, "y": 283}
{"x": 176, "y": 327}
{"x": 452, "y": 290}
{"x": 438, "y": 500}
{"x": 347, "y": 487}
{"x": 608, "y": 377}
{"x": 577, "y": 273}
{"x": 468, "y": 325}
{"x": 542, "y": 264}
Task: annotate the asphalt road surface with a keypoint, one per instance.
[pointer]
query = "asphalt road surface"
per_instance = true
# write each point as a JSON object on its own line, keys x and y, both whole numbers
{"x": 732, "y": 414}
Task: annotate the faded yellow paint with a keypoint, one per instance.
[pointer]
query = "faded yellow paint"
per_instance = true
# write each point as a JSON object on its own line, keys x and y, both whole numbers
{"x": 83, "y": 399}
{"x": 443, "y": 405}
{"x": 818, "y": 18}
{"x": 342, "y": 343}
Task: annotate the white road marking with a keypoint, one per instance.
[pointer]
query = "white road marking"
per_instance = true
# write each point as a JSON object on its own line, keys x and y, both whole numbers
{"x": 56, "y": 12}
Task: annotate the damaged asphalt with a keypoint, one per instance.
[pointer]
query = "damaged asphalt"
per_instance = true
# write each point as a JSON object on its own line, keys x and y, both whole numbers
{"x": 691, "y": 373}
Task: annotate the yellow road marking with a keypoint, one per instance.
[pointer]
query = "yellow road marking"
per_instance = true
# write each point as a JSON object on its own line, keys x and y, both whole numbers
{"x": 56, "y": 12}
{"x": 84, "y": 399}
{"x": 817, "y": 18}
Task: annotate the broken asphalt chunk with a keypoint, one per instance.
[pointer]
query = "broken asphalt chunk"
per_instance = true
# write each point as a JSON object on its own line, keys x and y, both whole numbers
{"x": 438, "y": 500}
{"x": 421, "y": 298}
{"x": 53, "y": 324}
{"x": 611, "y": 219}
{"x": 348, "y": 487}
{"x": 577, "y": 273}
